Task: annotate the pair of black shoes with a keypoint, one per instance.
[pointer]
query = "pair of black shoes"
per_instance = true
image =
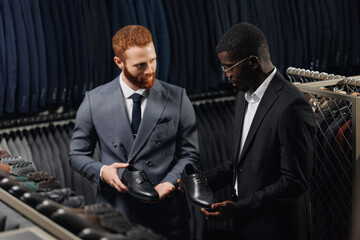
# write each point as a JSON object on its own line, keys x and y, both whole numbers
{"x": 194, "y": 184}
{"x": 139, "y": 185}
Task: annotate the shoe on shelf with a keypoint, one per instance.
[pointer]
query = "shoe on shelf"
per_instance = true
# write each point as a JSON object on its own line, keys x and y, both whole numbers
{"x": 11, "y": 160}
{"x": 138, "y": 184}
{"x": 32, "y": 199}
{"x": 39, "y": 176}
{"x": 94, "y": 234}
{"x": 72, "y": 221}
{"x": 21, "y": 169}
{"x": 4, "y": 153}
{"x": 47, "y": 185}
{"x": 194, "y": 184}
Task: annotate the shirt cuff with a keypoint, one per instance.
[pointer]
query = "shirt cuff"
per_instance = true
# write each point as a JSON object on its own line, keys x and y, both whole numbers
{"x": 101, "y": 173}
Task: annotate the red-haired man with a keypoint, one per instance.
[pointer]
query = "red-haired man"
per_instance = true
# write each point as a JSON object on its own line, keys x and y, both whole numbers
{"x": 164, "y": 142}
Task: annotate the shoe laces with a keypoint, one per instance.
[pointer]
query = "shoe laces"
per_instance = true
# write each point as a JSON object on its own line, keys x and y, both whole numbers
{"x": 21, "y": 165}
{"x": 200, "y": 180}
{"x": 11, "y": 158}
{"x": 140, "y": 177}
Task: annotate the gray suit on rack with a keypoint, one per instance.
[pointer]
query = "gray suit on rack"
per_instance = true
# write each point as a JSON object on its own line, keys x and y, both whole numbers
{"x": 165, "y": 143}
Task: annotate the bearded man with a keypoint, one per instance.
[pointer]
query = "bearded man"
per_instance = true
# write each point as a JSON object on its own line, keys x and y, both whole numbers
{"x": 140, "y": 121}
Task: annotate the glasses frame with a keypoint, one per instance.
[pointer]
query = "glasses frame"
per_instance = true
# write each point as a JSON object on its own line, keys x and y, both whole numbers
{"x": 225, "y": 69}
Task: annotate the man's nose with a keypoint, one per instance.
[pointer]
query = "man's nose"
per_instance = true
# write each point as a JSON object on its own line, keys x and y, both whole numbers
{"x": 228, "y": 74}
{"x": 150, "y": 69}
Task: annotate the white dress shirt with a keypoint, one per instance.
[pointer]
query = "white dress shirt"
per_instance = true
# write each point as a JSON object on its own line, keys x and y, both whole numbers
{"x": 253, "y": 100}
{"x": 127, "y": 92}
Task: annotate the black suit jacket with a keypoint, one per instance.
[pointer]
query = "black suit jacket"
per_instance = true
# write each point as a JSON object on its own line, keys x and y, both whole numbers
{"x": 274, "y": 167}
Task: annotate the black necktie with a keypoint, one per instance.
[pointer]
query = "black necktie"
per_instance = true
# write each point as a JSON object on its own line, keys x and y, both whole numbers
{"x": 136, "y": 112}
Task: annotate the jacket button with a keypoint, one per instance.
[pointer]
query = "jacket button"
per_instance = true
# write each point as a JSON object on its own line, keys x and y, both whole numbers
{"x": 114, "y": 144}
{"x": 240, "y": 170}
{"x": 149, "y": 163}
{"x": 158, "y": 141}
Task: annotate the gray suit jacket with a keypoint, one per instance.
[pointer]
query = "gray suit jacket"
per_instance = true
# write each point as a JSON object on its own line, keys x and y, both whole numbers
{"x": 166, "y": 141}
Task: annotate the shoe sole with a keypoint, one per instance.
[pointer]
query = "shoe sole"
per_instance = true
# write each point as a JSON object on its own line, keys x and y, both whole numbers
{"x": 184, "y": 189}
{"x": 139, "y": 196}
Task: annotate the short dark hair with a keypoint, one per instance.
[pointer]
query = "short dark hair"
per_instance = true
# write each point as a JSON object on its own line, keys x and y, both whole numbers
{"x": 243, "y": 40}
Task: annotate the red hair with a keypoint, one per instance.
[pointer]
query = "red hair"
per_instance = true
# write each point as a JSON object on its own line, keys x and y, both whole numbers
{"x": 130, "y": 36}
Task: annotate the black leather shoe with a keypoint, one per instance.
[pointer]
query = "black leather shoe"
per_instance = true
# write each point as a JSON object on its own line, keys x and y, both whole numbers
{"x": 18, "y": 191}
{"x": 74, "y": 222}
{"x": 48, "y": 207}
{"x": 94, "y": 234}
{"x": 32, "y": 199}
{"x": 197, "y": 190}
{"x": 138, "y": 184}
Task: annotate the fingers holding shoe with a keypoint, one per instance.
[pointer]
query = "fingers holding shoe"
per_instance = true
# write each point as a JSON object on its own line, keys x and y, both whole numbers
{"x": 110, "y": 176}
{"x": 164, "y": 189}
{"x": 220, "y": 211}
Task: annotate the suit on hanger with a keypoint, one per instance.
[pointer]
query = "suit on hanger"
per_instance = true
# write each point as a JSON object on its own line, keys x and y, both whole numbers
{"x": 34, "y": 79}
{"x": 52, "y": 50}
{"x": 40, "y": 40}
{"x": 274, "y": 167}
{"x": 166, "y": 141}
{"x": 2, "y": 65}
{"x": 23, "y": 68}
{"x": 11, "y": 59}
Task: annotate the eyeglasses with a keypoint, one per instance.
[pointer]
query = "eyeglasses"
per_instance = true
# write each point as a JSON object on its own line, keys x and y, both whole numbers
{"x": 226, "y": 68}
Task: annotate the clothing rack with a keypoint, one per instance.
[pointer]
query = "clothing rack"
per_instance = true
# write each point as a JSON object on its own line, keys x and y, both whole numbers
{"x": 336, "y": 177}
{"x": 40, "y": 120}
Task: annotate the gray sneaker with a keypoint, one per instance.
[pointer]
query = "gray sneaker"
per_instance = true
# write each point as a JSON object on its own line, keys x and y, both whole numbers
{"x": 21, "y": 169}
{"x": 11, "y": 160}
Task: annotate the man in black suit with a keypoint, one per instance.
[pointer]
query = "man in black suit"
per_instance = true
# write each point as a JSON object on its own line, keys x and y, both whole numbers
{"x": 273, "y": 158}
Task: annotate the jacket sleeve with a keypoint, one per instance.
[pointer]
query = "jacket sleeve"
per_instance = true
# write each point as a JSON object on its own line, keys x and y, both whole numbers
{"x": 82, "y": 144}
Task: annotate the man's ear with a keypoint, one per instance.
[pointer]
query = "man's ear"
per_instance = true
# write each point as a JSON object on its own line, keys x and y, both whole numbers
{"x": 255, "y": 61}
{"x": 118, "y": 62}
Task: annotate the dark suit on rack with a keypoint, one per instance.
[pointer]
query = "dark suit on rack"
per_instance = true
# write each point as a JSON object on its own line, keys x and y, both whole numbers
{"x": 51, "y": 53}
{"x": 41, "y": 52}
{"x": 2, "y": 66}
{"x": 166, "y": 141}
{"x": 23, "y": 68}
{"x": 33, "y": 55}
{"x": 275, "y": 165}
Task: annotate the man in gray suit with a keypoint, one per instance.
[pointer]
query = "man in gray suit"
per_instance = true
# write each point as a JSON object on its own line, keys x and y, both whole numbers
{"x": 165, "y": 142}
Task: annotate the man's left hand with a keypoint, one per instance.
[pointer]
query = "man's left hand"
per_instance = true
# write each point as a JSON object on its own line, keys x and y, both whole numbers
{"x": 223, "y": 210}
{"x": 164, "y": 189}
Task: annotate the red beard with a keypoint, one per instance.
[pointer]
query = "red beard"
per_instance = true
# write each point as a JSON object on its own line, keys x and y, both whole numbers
{"x": 142, "y": 81}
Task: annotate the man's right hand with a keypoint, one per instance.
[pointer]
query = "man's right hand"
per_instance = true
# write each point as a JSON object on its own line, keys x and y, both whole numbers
{"x": 110, "y": 176}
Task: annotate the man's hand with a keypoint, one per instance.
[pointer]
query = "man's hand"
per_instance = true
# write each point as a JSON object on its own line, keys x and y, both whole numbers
{"x": 164, "y": 189}
{"x": 110, "y": 176}
{"x": 223, "y": 210}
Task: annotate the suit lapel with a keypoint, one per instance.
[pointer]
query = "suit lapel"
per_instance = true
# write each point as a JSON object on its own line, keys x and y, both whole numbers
{"x": 118, "y": 115}
{"x": 239, "y": 121}
{"x": 156, "y": 102}
{"x": 267, "y": 101}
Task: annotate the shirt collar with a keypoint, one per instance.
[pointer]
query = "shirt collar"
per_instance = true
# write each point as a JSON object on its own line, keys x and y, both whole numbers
{"x": 127, "y": 91}
{"x": 259, "y": 93}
